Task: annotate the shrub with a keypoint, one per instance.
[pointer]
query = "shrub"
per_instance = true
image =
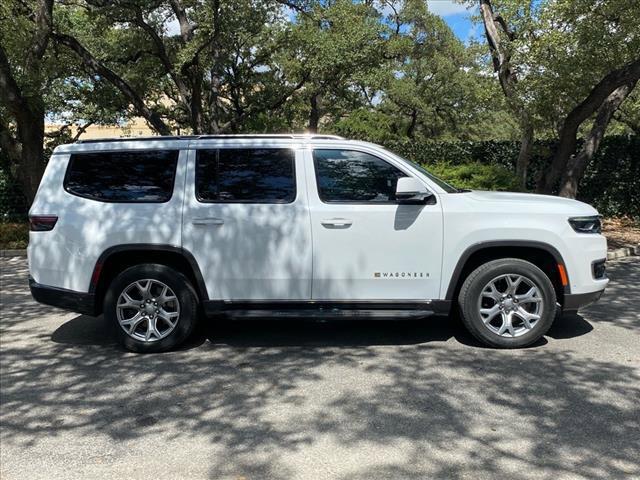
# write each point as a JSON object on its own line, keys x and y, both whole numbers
{"x": 14, "y": 235}
{"x": 611, "y": 182}
{"x": 476, "y": 176}
{"x": 13, "y": 206}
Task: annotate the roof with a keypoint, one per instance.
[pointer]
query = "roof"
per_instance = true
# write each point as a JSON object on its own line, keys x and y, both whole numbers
{"x": 267, "y": 136}
{"x": 202, "y": 141}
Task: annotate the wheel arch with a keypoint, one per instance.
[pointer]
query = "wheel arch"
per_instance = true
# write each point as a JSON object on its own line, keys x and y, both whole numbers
{"x": 544, "y": 256}
{"x": 120, "y": 257}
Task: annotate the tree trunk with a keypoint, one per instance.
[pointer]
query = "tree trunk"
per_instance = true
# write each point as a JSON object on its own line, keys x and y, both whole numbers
{"x": 314, "y": 114}
{"x": 501, "y": 57}
{"x": 526, "y": 147}
{"x": 578, "y": 163}
{"x": 27, "y": 109}
{"x": 32, "y": 157}
{"x": 630, "y": 73}
{"x": 412, "y": 124}
{"x": 28, "y": 113}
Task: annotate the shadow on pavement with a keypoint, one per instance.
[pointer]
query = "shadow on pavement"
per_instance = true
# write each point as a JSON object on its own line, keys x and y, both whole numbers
{"x": 85, "y": 330}
{"x": 259, "y": 393}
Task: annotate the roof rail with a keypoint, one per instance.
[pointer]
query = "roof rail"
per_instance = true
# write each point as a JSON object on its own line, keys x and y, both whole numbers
{"x": 310, "y": 136}
{"x": 138, "y": 139}
{"x": 271, "y": 135}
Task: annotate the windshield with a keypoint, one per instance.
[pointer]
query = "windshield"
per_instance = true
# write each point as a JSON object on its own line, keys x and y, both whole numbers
{"x": 441, "y": 183}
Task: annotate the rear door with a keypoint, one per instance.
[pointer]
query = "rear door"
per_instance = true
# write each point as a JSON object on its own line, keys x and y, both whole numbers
{"x": 365, "y": 245}
{"x": 246, "y": 221}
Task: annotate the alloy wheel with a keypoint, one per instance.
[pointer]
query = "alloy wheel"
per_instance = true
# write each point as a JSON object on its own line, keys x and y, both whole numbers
{"x": 148, "y": 310}
{"x": 510, "y": 305}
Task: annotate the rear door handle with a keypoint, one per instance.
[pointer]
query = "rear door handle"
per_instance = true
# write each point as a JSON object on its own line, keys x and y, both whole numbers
{"x": 207, "y": 221}
{"x": 336, "y": 222}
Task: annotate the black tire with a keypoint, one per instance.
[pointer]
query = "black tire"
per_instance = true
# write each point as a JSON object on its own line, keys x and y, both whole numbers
{"x": 470, "y": 296}
{"x": 184, "y": 293}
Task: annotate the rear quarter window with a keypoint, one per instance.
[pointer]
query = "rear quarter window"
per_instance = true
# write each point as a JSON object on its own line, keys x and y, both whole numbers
{"x": 131, "y": 177}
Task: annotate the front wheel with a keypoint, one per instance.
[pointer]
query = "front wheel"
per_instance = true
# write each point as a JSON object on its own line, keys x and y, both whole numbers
{"x": 507, "y": 303}
{"x": 153, "y": 307}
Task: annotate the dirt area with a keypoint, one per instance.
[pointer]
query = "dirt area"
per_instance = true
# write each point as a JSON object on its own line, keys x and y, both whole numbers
{"x": 621, "y": 232}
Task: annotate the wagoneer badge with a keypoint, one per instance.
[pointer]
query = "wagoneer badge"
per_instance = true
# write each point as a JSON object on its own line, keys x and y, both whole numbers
{"x": 406, "y": 275}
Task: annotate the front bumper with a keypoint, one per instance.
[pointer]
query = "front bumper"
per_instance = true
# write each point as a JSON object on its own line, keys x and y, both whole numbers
{"x": 80, "y": 302}
{"x": 574, "y": 301}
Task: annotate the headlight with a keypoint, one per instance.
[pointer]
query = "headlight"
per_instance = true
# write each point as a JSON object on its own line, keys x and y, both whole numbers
{"x": 586, "y": 224}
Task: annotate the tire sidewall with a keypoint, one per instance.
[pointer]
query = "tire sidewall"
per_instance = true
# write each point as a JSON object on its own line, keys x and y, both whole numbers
{"x": 182, "y": 289}
{"x": 474, "y": 321}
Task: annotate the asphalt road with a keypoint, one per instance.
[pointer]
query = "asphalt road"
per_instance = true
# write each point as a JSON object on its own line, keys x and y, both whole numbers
{"x": 298, "y": 400}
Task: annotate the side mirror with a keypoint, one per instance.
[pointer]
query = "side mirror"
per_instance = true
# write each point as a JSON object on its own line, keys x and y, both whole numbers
{"x": 410, "y": 191}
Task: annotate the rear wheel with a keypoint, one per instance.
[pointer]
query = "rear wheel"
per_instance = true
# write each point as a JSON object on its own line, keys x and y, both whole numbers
{"x": 153, "y": 307}
{"x": 507, "y": 303}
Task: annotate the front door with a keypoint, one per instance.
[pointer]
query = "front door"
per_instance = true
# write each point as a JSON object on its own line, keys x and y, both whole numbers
{"x": 365, "y": 245}
{"x": 246, "y": 221}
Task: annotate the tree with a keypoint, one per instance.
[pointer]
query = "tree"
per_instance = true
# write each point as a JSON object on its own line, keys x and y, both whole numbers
{"x": 428, "y": 84}
{"x": 337, "y": 46}
{"x": 218, "y": 73}
{"x": 431, "y": 87}
{"x": 501, "y": 41}
{"x": 21, "y": 87}
{"x": 564, "y": 64}
{"x": 601, "y": 42}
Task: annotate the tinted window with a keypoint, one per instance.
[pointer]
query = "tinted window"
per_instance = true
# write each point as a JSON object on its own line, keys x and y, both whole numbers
{"x": 350, "y": 176}
{"x": 246, "y": 175}
{"x": 145, "y": 176}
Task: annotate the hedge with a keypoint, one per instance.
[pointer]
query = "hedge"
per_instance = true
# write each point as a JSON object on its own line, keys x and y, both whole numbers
{"x": 13, "y": 205}
{"x": 611, "y": 182}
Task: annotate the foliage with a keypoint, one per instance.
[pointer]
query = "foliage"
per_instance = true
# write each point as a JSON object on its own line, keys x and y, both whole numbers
{"x": 14, "y": 236}
{"x": 611, "y": 183}
{"x": 476, "y": 176}
{"x": 612, "y": 180}
{"x": 13, "y": 205}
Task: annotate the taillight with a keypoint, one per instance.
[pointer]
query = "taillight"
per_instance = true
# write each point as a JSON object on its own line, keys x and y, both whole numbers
{"x": 42, "y": 223}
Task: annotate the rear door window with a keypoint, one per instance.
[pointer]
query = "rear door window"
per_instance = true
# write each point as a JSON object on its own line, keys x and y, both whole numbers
{"x": 135, "y": 177}
{"x": 246, "y": 175}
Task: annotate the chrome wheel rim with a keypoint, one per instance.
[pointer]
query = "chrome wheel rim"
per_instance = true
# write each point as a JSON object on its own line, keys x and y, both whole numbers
{"x": 510, "y": 305}
{"x": 148, "y": 310}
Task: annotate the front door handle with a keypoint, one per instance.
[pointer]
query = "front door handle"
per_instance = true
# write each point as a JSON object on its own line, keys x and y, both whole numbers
{"x": 200, "y": 222}
{"x": 336, "y": 222}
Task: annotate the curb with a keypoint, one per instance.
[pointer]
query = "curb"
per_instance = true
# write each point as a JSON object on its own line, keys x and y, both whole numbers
{"x": 13, "y": 253}
{"x": 623, "y": 252}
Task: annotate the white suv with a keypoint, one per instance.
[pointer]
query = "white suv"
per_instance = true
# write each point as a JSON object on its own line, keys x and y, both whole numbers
{"x": 152, "y": 232}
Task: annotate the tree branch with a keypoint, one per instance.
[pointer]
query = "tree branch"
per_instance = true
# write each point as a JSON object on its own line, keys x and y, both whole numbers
{"x": 186, "y": 28}
{"x": 505, "y": 28}
{"x": 10, "y": 93}
{"x": 162, "y": 54}
{"x": 577, "y": 164}
{"x": 629, "y": 73}
{"x": 100, "y": 69}
{"x": 43, "y": 21}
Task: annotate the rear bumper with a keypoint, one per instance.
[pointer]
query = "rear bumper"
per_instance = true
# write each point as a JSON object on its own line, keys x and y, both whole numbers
{"x": 574, "y": 301}
{"x": 80, "y": 302}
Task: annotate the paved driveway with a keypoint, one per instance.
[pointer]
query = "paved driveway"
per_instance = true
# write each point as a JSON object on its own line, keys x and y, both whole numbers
{"x": 345, "y": 400}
